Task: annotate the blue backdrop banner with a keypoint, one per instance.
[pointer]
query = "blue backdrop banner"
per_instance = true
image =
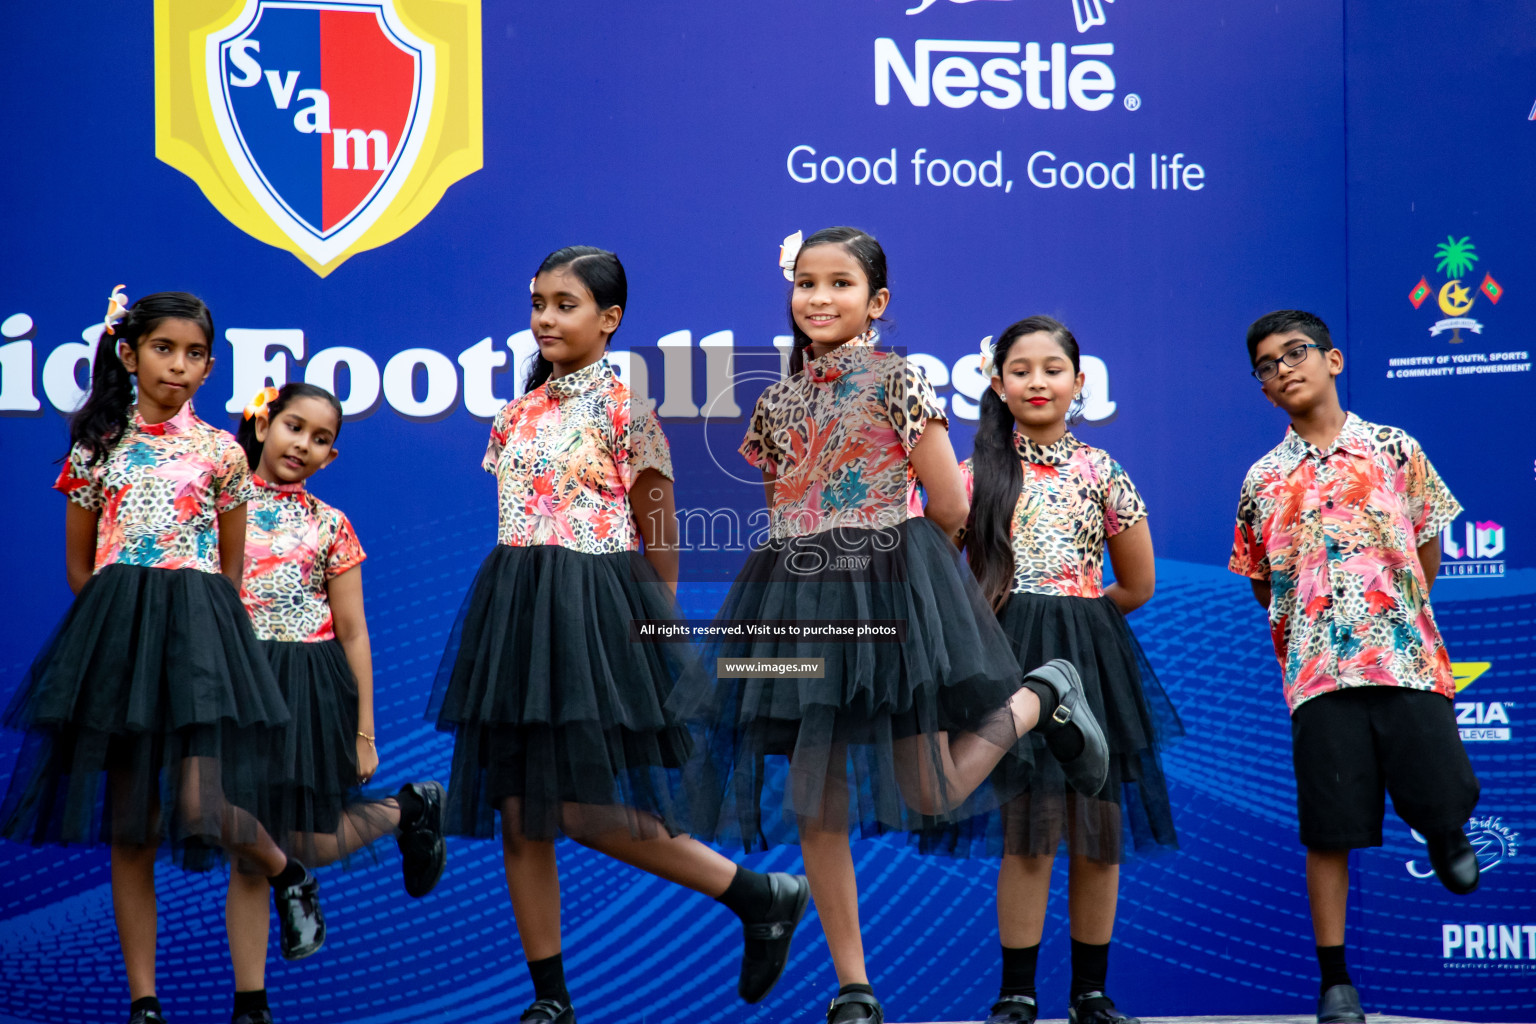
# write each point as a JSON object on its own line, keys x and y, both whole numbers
{"x": 360, "y": 190}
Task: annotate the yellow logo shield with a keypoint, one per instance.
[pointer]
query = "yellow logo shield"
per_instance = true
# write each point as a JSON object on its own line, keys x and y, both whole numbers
{"x": 322, "y": 127}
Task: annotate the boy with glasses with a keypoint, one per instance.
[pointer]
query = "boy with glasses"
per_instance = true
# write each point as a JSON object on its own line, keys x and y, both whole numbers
{"x": 1338, "y": 532}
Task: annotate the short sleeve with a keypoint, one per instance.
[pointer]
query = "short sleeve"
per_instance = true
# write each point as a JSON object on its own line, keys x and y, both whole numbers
{"x": 1249, "y": 558}
{"x": 1431, "y": 506}
{"x": 79, "y": 482}
{"x": 757, "y": 446}
{"x": 644, "y": 447}
{"x": 501, "y": 429}
{"x": 1123, "y": 504}
{"x": 232, "y": 486}
{"x": 346, "y": 551}
{"x": 911, "y": 402}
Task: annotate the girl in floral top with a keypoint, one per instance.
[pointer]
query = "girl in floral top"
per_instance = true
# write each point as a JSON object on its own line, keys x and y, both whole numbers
{"x": 303, "y": 590}
{"x": 152, "y": 715}
{"x": 1046, "y": 507}
{"x": 881, "y": 735}
{"x": 560, "y": 716}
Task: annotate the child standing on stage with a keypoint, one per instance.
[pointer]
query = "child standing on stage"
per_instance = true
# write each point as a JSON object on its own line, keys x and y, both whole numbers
{"x": 304, "y": 592}
{"x": 560, "y": 719}
{"x": 152, "y": 715}
{"x": 889, "y": 736}
{"x": 1338, "y": 530}
{"x": 1045, "y": 510}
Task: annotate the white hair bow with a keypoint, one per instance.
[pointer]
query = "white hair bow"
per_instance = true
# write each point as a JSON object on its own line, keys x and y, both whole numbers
{"x": 988, "y": 367}
{"x": 788, "y": 251}
{"x": 117, "y": 308}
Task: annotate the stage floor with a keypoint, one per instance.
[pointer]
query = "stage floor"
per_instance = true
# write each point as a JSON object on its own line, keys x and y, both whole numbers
{"x": 1371, "y": 1018}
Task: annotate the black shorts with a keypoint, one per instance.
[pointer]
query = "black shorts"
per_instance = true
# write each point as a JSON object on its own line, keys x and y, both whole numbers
{"x": 1352, "y": 747}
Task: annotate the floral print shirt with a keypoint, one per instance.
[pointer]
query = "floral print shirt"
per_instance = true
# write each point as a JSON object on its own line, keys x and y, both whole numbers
{"x": 1074, "y": 498}
{"x": 295, "y": 544}
{"x": 836, "y": 437}
{"x": 1336, "y": 533}
{"x": 565, "y": 456}
{"x": 160, "y": 491}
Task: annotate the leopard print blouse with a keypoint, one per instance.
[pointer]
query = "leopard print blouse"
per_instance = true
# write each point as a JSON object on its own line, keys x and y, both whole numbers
{"x": 1075, "y": 497}
{"x": 836, "y": 438}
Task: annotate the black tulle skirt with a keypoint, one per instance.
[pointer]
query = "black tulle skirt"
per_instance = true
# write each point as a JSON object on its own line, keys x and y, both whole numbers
{"x": 559, "y": 719}
{"x": 319, "y": 812}
{"x": 861, "y": 749}
{"x": 151, "y": 717}
{"x": 1131, "y": 813}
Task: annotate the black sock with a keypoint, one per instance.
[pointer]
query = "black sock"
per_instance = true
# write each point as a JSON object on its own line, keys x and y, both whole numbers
{"x": 549, "y": 978}
{"x": 1019, "y": 970}
{"x": 749, "y": 896}
{"x": 292, "y": 874}
{"x": 1090, "y": 967}
{"x": 410, "y": 805}
{"x": 147, "y": 1003}
{"x": 1048, "y": 701}
{"x": 1331, "y": 960}
{"x": 249, "y": 1002}
{"x": 1064, "y": 743}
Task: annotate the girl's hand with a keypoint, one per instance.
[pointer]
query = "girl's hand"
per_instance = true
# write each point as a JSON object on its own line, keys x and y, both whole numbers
{"x": 367, "y": 760}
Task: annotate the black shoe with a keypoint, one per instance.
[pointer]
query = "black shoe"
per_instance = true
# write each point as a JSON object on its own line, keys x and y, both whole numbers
{"x": 422, "y": 850}
{"x": 767, "y": 941}
{"x": 1340, "y": 1005}
{"x": 1013, "y": 1010}
{"x": 262, "y": 1016}
{"x": 146, "y": 1017}
{"x": 546, "y": 1011}
{"x": 1454, "y": 861}
{"x": 301, "y": 924}
{"x": 1096, "y": 1008}
{"x": 1089, "y": 769}
{"x": 842, "y": 1009}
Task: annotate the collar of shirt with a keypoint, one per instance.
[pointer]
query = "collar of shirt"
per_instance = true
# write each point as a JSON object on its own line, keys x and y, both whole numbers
{"x": 297, "y": 488}
{"x": 1054, "y": 454}
{"x": 1354, "y": 438}
{"x": 579, "y": 381}
{"x": 177, "y": 424}
{"x": 847, "y": 356}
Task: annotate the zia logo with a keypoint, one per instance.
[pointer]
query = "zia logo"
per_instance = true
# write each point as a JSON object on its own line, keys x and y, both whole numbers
{"x": 1087, "y": 13}
{"x": 1454, "y": 258}
{"x": 1494, "y": 841}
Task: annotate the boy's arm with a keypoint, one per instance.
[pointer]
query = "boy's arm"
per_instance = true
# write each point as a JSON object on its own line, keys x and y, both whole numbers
{"x": 1261, "y": 592}
{"x": 1429, "y": 560}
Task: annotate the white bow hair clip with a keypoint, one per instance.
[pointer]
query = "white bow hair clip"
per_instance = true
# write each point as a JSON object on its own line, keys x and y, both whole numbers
{"x": 117, "y": 308}
{"x": 788, "y": 251}
{"x": 988, "y": 367}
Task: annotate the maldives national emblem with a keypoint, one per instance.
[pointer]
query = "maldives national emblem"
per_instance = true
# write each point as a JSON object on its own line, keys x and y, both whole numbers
{"x": 319, "y": 126}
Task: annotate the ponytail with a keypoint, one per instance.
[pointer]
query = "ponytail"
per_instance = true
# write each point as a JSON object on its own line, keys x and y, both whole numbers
{"x": 871, "y": 258}
{"x": 245, "y": 433}
{"x": 602, "y": 274}
{"x": 99, "y": 423}
{"x": 998, "y": 479}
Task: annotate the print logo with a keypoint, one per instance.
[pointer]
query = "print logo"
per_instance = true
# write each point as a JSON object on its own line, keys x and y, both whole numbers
{"x": 1087, "y": 13}
{"x": 1494, "y": 841}
{"x": 319, "y": 126}
{"x": 1473, "y": 550}
{"x": 1455, "y": 258}
{"x": 1506, "y": 942}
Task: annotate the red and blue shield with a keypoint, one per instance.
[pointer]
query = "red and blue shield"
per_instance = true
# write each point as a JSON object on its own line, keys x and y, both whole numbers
{"x": 322, "y": 107}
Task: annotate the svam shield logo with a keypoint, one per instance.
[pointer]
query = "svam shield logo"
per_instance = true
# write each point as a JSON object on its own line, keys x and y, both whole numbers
{"x": 321, "y": 127}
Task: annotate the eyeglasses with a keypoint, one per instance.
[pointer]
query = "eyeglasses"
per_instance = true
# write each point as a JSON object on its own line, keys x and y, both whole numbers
{"x": 1266, "y": 370}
